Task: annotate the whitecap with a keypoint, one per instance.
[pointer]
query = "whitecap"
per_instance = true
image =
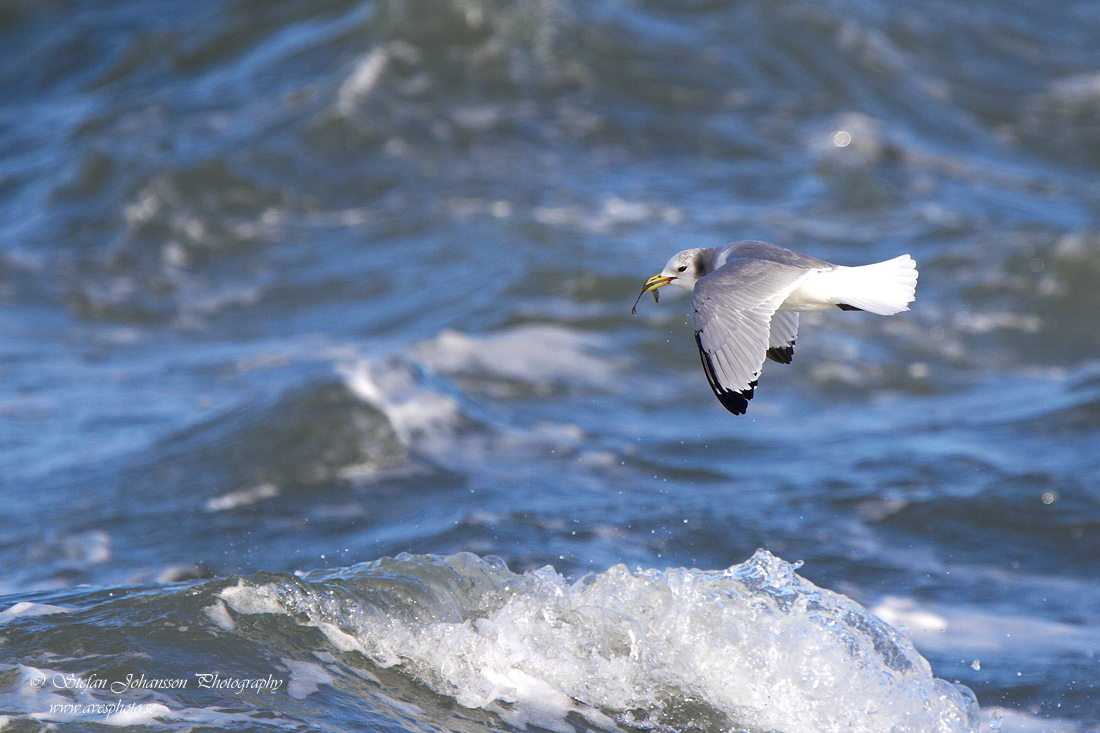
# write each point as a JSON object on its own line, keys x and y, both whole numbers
{"x": 754, "y": 646}
{"x": 541, "y": 355}
{"x": 24, "y": 609}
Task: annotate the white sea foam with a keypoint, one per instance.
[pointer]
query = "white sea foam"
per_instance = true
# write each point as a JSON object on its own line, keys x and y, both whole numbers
{"x": 243, "y": 598}
{"x": 92, "y": 547}
{"x": 754, "y": 646}
{"x": 417, "y": 414}
{"x": 411, "y": 392}
{"x": 540, "y": 355}
{"x": 243, "y": 497}
{"x": 27, "y": 608}
{"x": 305, "y": 678}
{"x": 613, "y": 214}
{"x": 219, "y": 614}
{"x": 359, "y": 85}
{"x": 970, "y": 631}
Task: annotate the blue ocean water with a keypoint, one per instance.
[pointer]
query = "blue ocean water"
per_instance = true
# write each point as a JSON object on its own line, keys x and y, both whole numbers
{"x": 288, "y": 289}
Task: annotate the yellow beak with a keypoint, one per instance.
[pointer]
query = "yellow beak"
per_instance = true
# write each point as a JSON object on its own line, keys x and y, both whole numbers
{"x": 657, "y": 281}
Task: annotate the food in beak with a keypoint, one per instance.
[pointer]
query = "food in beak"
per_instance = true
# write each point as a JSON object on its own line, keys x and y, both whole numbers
{"x": 657, "y": 281}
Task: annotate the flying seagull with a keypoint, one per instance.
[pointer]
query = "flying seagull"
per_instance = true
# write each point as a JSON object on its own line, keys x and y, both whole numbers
{"x": 745, "y": 300}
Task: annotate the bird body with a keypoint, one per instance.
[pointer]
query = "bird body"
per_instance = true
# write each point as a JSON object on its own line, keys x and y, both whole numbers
{"x": 746, "y": 298}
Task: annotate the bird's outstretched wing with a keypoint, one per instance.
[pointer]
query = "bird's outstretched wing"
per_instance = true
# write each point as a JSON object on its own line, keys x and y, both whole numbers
{"x": 733, "y": 309}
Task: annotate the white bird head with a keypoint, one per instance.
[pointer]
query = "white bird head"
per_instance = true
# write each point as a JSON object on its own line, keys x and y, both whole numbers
{"x": 685, "y": 268}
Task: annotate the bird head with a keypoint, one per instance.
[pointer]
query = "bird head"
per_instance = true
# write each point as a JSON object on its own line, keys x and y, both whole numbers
{"x": 684, "y": 269}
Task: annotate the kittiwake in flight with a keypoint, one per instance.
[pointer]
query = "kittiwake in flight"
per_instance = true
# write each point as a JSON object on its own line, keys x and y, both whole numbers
{"x": 746, "y": 297}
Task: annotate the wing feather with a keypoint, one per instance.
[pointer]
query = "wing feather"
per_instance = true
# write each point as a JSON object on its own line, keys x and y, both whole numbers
{"x": 734, "y": 309}
{"x": 781, "y": 337}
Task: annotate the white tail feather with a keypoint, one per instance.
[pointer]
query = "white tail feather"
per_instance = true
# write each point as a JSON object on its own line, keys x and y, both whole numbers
{"x": 884, "y": 288}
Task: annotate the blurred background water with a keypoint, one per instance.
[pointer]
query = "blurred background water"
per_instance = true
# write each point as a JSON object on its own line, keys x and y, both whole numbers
{"x": 291, "y": 286}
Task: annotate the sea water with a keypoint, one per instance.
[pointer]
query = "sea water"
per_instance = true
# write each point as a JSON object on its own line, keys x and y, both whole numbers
{"x": 290, "y": 289}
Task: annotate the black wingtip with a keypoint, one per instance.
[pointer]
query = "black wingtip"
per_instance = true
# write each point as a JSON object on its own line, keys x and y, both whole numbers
{"x": 735, "y": 402}
{"x": 781, "y": 354}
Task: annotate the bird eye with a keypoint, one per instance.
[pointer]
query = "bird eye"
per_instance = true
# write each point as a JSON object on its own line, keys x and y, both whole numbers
{"x": 681, "y": 268}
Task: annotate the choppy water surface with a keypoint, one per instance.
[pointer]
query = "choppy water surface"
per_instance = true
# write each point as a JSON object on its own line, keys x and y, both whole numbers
{"x": 291, "y": 288}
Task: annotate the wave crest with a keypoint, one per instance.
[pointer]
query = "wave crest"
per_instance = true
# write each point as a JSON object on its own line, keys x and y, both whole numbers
{"x": 752, "y": 647}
